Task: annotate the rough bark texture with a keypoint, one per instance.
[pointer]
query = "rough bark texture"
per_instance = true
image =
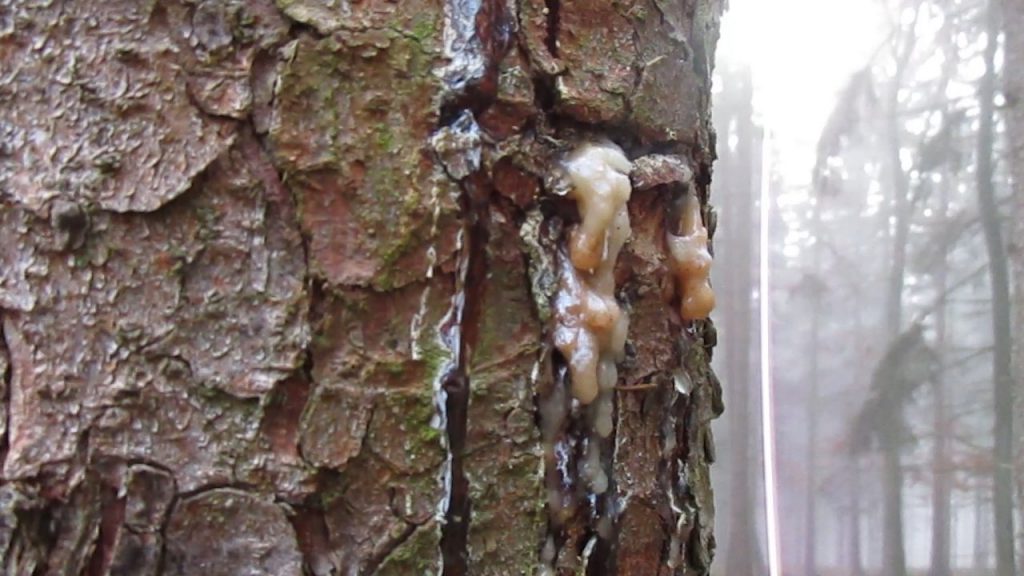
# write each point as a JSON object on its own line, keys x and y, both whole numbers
{"x": 275, "y": 281}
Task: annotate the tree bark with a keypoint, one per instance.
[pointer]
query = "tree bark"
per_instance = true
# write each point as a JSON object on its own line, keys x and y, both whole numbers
{"x": 276, "y": 281}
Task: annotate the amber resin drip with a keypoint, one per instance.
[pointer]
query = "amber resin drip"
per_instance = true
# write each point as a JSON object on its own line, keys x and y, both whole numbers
{"x": 691, "y": 263}
{"x": 590, "y": 329}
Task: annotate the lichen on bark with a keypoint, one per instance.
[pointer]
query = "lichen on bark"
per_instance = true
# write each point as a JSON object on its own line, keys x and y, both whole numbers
{"x": 275, "y": 280}
{"x": 351, "y": 116}
{"x": 127, "y": 78}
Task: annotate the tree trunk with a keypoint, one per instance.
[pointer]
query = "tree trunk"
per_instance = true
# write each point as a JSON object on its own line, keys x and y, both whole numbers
{"x": 894, "y": 557}
{"x": 737, "y": 266}
{"x": 1013, "y": 87}
{"x": 855, "y": 464}
{"x": 893, "y": 554}
{"x": 1002, "y": 457}
{"x": 900, "y": 204}
{"x": 813, "y": 401}
{"x": 277, "y": 286}
{"x": 941, "y": 466}
{"x": 856, "y": 513}
{"x": 980, "y": 554}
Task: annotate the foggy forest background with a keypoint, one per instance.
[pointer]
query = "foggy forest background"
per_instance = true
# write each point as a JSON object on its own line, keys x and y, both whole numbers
{"x": 890, "y": 292}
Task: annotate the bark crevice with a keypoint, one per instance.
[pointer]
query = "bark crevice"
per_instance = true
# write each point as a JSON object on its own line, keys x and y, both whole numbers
{"x": 6, "y": 372}
{"x": 553, "y": 23}
{"x": 387, "y": 547}
{"x": 313, "y": 538}
{"x": 112, "y": 513}
{"x": 280, "y": 412}
{"x": 459, "y": 147}
{"x": 463, "y": 334}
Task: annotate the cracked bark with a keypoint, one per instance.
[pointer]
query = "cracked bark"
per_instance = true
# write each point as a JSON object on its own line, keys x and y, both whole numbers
{"x": 263, "y": 296}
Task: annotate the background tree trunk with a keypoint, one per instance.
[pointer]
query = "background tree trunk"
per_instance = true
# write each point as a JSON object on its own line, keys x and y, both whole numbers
{"x": 981, "y": 552}
{"x": 738, "y": 171}
{"x": 893, "y": 542}
{"x": 275, "y": 287}
{"x": 942, "y": 469}
{"x": 814, "y": 350}
{"x": 1002, "y": 456}
{"x": 1013, "y": 87}
{"x": 893, "y": 550}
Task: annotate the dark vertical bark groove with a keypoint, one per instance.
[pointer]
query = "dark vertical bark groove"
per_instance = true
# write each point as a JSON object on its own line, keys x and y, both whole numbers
{"x": 551, "y": 39}
{"x": 455, "y": 530}
{"x": 5, "y": 377}
{"x": 313, "y": 537}
{"x": 492, "y": 31}
{"x": 457, "y": 383}
{"x": 111, "y": 517}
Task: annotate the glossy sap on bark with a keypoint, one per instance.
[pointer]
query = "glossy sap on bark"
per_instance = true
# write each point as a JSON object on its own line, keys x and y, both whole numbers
{"x": 590, "y": 326}
{"x": 691, "y": 263}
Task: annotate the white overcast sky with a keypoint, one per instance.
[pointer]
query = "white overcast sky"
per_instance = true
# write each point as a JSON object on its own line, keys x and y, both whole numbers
{"x": 801, "y": 52}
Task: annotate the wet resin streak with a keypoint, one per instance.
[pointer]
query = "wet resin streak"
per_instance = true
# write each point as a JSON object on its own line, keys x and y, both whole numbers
{"x": 590, "y": 325}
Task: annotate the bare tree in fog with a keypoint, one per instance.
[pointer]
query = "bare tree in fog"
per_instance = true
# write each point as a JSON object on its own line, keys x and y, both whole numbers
{"x": 850, "y": 121}
{"x": 907, "y": 364}
{"x": 927, "y": 151}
